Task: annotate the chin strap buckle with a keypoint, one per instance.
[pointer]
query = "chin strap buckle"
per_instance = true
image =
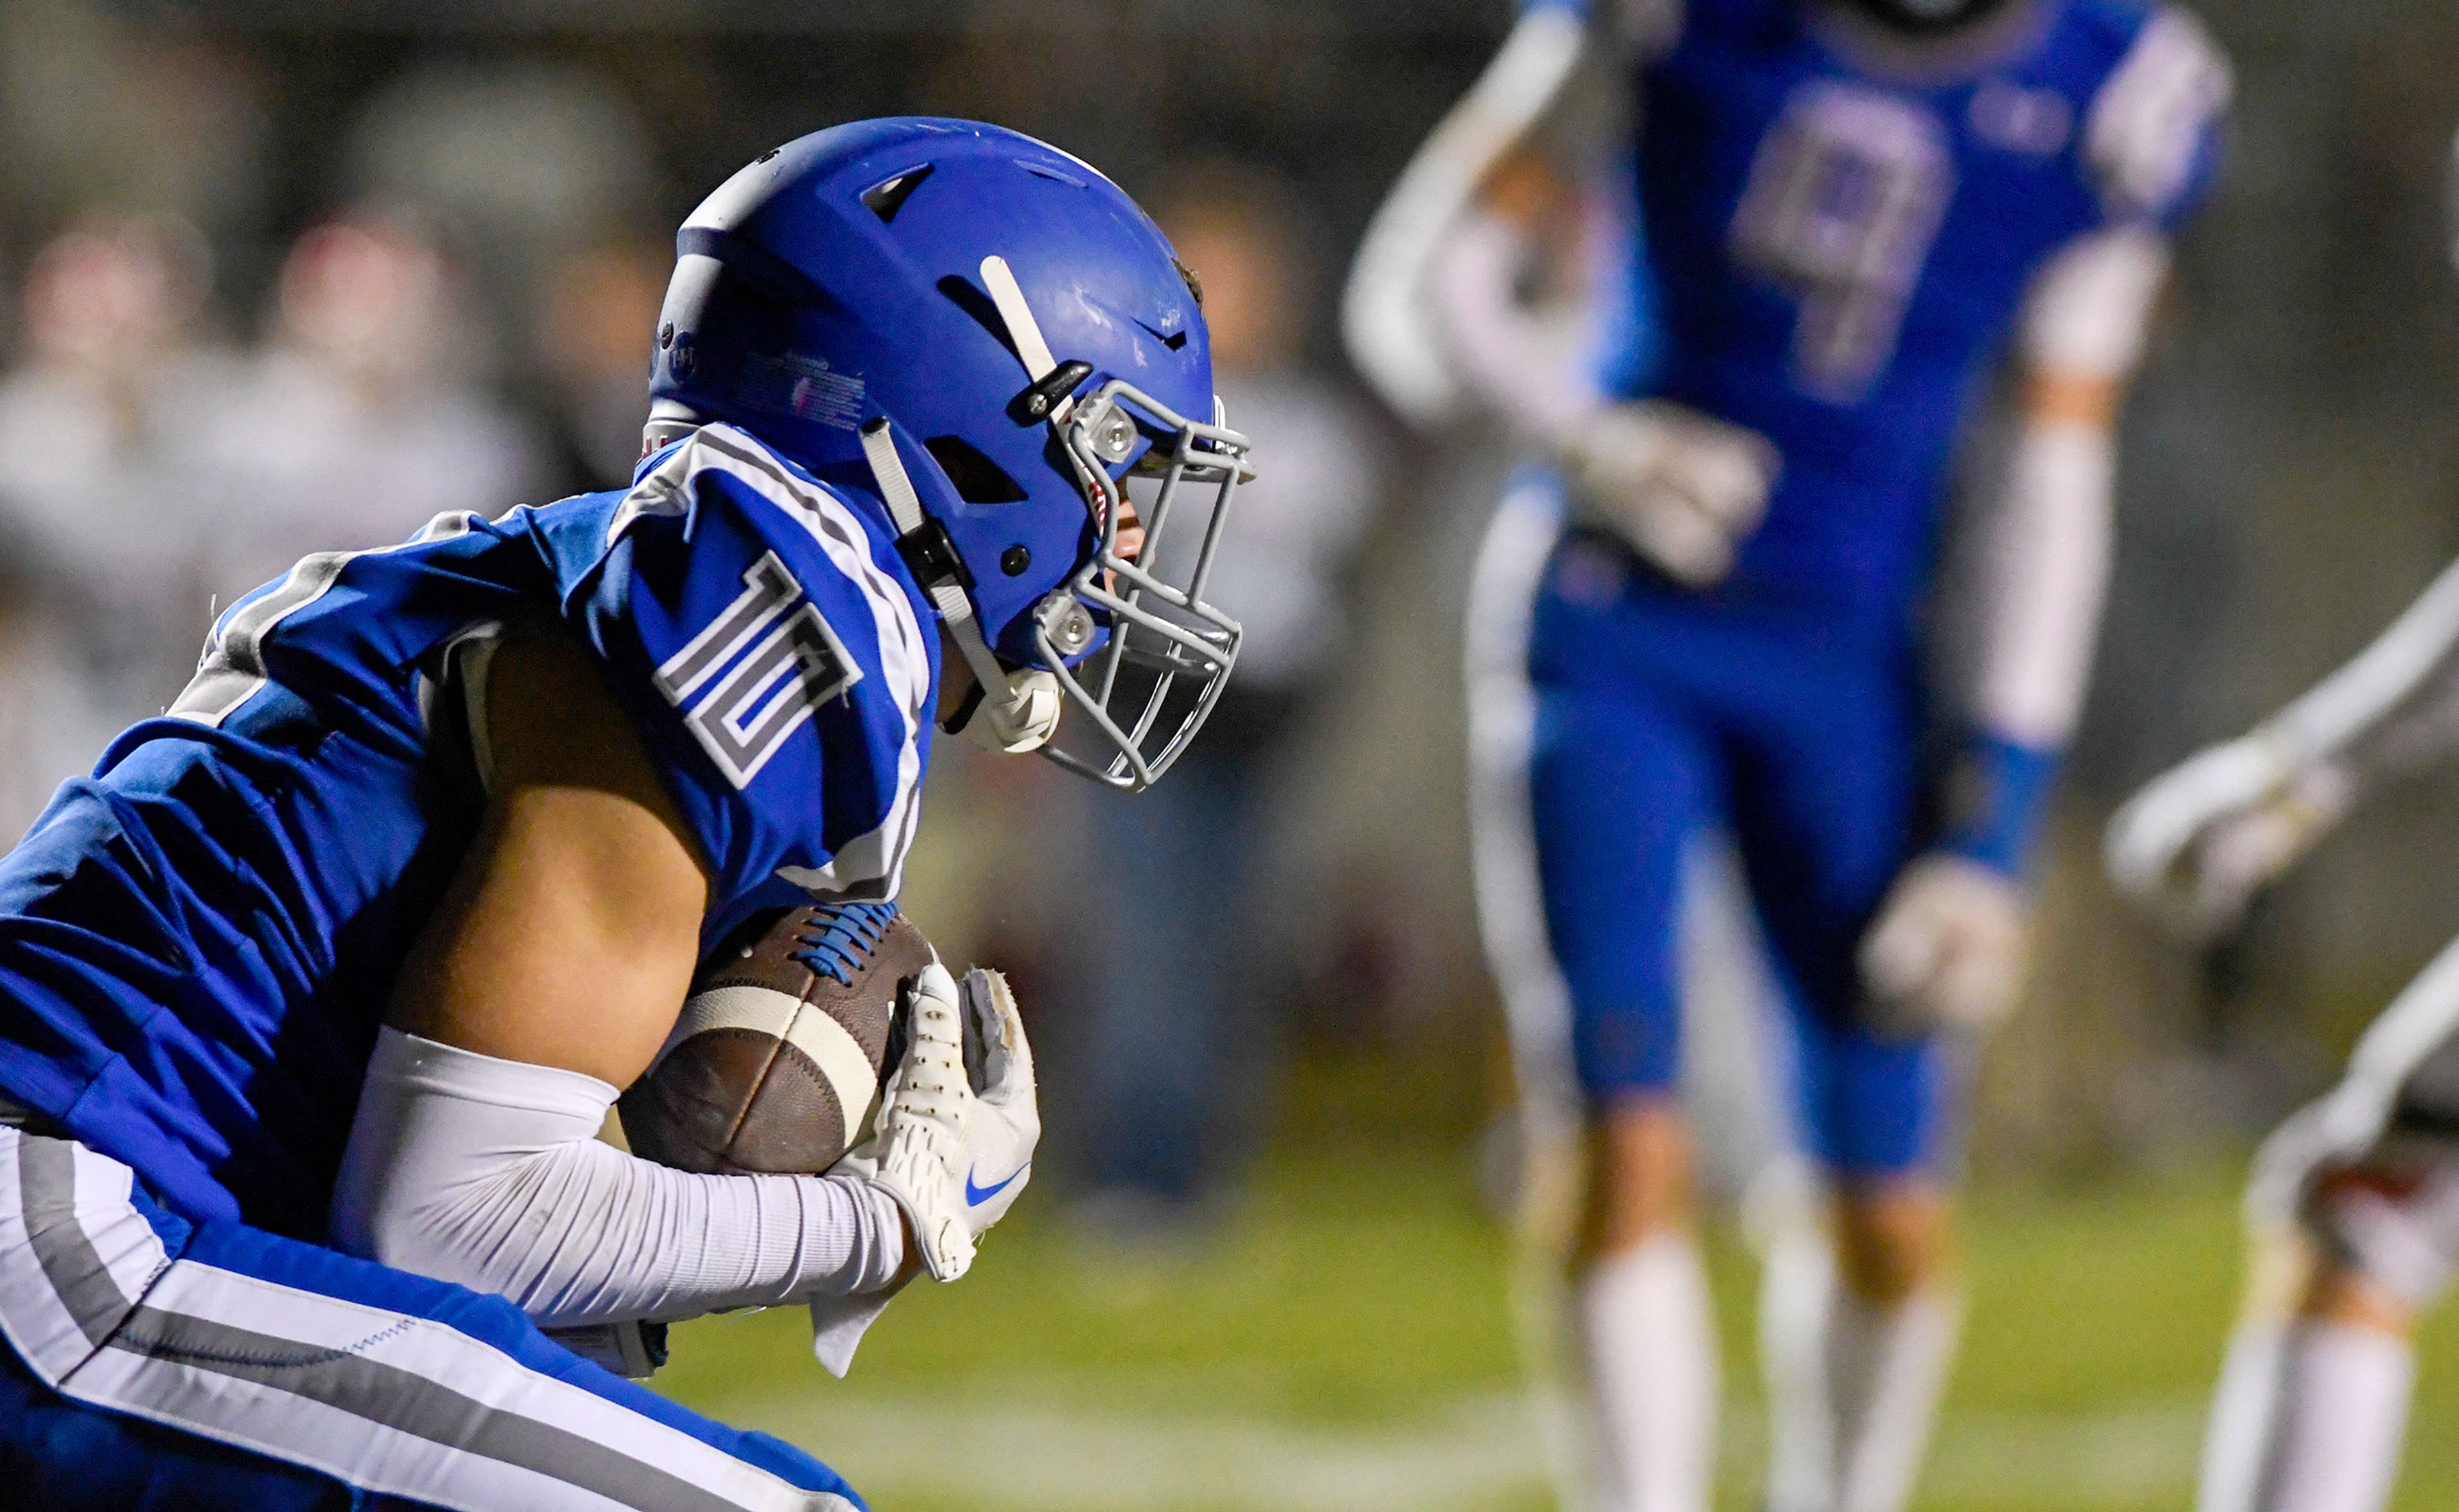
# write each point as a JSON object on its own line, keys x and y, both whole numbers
{"x": 930, "y": 555}
{"x": 1045, "y": 396}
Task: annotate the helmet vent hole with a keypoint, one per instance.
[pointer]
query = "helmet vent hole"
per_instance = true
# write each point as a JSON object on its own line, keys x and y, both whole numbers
{"x": 978, "y": 479}
{"x": 889, "y": 195}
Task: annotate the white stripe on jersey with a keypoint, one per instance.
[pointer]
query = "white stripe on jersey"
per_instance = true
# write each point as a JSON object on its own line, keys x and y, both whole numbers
{"x": 232, "y": 670}
{"x": 871, "y": 865}
{"x": 388, "y": 1401}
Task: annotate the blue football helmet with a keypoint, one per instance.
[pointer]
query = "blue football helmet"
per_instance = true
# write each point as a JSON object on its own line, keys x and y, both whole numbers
{"x": 990, "y": 337}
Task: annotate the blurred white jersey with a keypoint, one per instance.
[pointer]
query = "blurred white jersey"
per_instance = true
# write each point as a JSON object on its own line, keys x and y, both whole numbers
{"x": 127, "y": 522}
{"x": 104, "y": 513}
{"x": 304, "y": 462}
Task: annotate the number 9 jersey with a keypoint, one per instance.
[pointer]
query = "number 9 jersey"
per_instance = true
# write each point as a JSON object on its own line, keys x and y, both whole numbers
{"x": 1841, "y": 227}
{"x": 198, "y": 942}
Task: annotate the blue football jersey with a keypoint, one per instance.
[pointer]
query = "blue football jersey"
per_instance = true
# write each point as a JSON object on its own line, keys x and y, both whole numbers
{"x": 1840, "y": 234}
{"x": 198, "y": 942}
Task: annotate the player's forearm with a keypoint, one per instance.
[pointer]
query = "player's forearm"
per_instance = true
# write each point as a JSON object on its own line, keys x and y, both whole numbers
{"x": 488, "y": 1173}
{"x": 1384, "y": 307}
{"x": 1520, "y": 366}
{"x": 2043, "y": 575}
{"x": 2042, "y": 572}
{"x": 2041, "y": 582}
{"x": 2046, "y": 565}
{"x": 2394, "y": 707}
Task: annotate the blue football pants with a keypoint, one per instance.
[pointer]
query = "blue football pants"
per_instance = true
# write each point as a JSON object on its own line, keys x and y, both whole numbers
{"x": 158, "y": 1364}
{"x": 1657, "y": 714}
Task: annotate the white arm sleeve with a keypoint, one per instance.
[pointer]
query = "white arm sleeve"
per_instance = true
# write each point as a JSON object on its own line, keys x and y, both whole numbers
{"x": 1383, "y": 311}
{"x": 2045, "y": 555}
{"x": 1523, "y": 367}
{"x": 2395, "y": 705}
{"x": 490, "y": 1173}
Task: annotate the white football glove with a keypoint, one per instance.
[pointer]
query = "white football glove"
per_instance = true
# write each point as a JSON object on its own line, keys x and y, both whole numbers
{"x": 2200, "y": 840}
{"x": 1684, "y": 490}
{"x": 1949, "y": 947}
{"x": 1024, "y": 721}
{"x": 951, "y": 1156}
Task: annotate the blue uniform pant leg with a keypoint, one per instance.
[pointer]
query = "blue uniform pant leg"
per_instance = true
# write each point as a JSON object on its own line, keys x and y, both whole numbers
{"x": 1824, "y": 774}
{"x": 182, "y": 1343}
{"x": 1884, "y": 1105}
{"x": 1617, "y": 787}
{"x": 63, "y": 1456}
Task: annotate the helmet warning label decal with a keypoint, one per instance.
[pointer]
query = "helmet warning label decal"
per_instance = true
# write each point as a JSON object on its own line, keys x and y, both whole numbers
{"x": 805, "y": 388}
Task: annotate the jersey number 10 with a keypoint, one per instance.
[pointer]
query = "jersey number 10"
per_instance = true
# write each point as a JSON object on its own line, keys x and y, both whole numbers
{"x": 757, "y": 672}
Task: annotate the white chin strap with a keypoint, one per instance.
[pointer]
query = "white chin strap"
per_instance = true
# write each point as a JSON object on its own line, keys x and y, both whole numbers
{"x": 1019, "y": 709}
{"x": 1022, "y": 329}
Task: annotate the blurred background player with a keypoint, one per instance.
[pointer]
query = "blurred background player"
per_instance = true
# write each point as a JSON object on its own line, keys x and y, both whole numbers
{"x": 107, "y": 517}
{"x": 176, "y": 472}
{"x": 365, "y": 387}
{"x": 1184, "y": 974}
{"x": 1710, "y": 606}
{"x": 2353, "y": 1212}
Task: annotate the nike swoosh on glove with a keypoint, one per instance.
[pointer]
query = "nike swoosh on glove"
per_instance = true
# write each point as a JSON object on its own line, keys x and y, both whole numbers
{"x": 959, "y": 1122}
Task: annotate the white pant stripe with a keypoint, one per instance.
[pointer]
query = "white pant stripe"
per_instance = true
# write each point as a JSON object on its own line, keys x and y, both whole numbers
{"x": 46, "y": 1333}
{"x": 388, "y": 1401}
{"x": 301, "y": 1430}
{"x": 129, "y": 1249}
{"x": 1501, "y": 720}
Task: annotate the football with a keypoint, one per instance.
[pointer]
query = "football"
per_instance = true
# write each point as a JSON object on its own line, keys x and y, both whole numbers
{"x": 778, "y": 1057}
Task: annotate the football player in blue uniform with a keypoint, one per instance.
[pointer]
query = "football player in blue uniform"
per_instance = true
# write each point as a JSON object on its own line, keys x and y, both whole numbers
{"x": 2353, "y": 1213}
{"x": 313, "y": 998}
{"x": 1711, "y": 607}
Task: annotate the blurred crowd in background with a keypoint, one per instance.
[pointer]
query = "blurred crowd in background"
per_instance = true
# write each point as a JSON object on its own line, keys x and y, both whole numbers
{"x": 285, "y": 277}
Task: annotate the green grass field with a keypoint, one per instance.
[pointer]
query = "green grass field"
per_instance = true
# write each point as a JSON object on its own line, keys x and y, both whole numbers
{"x": 1345, "y": 1347}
